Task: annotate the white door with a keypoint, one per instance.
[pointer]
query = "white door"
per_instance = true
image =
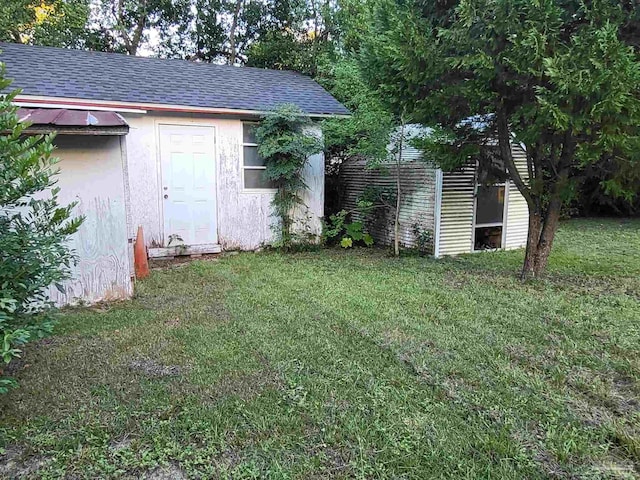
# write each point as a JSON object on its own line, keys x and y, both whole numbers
{"x": 188, "y": 185}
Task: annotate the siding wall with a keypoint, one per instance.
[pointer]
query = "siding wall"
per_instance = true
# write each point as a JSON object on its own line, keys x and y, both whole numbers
{"x": 244, "y": 218}
{"x": 517, "y": 210}
{"x": 456, "y": 220}
{"x": 92, "y": 173}
{"x": 418, "y": 196}
{"x": 456, "y": 217}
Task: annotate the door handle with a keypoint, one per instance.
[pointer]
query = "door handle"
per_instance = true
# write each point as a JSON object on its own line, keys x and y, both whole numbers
{"x": 166, "y": 196}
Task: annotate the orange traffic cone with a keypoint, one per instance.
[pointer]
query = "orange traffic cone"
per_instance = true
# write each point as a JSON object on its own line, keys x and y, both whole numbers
{"x": 140, "y": 261}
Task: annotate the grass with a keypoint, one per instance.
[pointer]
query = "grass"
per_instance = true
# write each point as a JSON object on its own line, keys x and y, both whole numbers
{"x": 347, "y": 364}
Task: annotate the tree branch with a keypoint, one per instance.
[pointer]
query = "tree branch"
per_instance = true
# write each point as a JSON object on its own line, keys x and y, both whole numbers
{"x": 504, "y": 143}
{"x": 137, "y": 33}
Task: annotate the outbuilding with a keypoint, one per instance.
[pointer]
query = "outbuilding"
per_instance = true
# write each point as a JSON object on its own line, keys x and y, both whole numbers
{"x": 460, "y": 210}
{"x": 168, "y": 145}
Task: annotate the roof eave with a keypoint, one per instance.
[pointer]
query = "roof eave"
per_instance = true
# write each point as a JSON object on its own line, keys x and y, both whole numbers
{"x": 130, "y": 107}
{"x": 63, "y": 130}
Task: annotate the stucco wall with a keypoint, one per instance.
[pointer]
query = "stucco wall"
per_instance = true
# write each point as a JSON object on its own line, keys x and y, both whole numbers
{"x": 91, "y": 173}
{"x": 244, "y": 219}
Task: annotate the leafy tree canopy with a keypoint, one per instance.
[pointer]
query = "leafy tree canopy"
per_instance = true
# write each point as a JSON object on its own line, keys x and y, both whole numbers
{"x": 49, "y": 22}
{"x": 367, "y": 131}
{"x": 562, "y": 76}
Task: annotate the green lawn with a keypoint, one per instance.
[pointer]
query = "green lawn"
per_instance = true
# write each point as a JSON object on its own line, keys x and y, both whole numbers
{"x": 346, "y": 364}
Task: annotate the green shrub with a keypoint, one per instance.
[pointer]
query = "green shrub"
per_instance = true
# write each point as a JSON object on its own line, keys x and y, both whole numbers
{"x": 34, "y": 230}
{"x": 348, "y": 233}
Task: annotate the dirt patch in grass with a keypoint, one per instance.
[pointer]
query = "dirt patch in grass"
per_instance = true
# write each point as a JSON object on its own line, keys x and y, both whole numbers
{"x": 533, "y": 442}
{"x": 334, "y": 462}
{"x": 590, "y": 414}
{"x": 614, "y": 469}
{"x": 625, "y": 397}
{"x": 172, "y": 322}
{"x": 544, "y": 360}
{"x": 613, "y": 392}
{"x": 594, "y": 285}
{"x": 121, "y": 444}
{"x": 228, "y": 459}
{"x": 245, "y": 386}
{"x": 152, "y": 368}
{"x": 170, "y": 472}
{"x": 15, "y": 463}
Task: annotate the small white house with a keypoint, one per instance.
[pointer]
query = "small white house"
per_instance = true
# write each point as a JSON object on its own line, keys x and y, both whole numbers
{"x": 462, "y": 213}
{"x": 163, "y": 144}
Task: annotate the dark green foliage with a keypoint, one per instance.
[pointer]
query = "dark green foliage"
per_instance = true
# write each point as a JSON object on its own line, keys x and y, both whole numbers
{"x": 286, "y": 146}
{"x": 563, "y": 76}
{"x": 224, "y": 30}
{"x": 293, "y": 35}
{"x": 610, "y": 187}
{"x": 58, "y": 23}
{"x": 281, "y": 50}
{"x": 366, "y": 133}
{"x": 34, "y": 230}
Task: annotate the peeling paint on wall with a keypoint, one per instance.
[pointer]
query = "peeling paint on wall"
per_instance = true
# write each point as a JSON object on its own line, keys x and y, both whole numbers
{"x": 91, "y": 173}
{"x": 245, "y": 218}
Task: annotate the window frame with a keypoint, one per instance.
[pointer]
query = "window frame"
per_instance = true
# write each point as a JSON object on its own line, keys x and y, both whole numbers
{"x": 502, "y": 225}
{"x": 251, "y": 167}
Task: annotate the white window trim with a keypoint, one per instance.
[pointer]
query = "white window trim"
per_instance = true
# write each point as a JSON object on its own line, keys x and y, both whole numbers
{"x": 252, "y": 167}
{"x": 502, "y": 224}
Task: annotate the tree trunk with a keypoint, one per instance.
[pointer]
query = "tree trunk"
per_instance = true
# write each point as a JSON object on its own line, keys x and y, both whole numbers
{"x": 543, "y": 224}
{"x": 533, "y": 237}
{"x": 233, "y": 49}
{"x": 131, "y": 42}
{"x": 396, "y": 223}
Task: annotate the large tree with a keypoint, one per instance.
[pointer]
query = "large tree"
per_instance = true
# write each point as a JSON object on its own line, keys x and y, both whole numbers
{"x": 58, "y": 23}
{"x": 127, "y": 25}
{"x": 294, "y": 35}
{"x": 224, "y": 30}
{"x": 561, "y": 77}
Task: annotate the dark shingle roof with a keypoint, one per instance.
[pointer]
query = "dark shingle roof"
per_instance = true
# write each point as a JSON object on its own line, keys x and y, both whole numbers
{"x": 59, "y": 72}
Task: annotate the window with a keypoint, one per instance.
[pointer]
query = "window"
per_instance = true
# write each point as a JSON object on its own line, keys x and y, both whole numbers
{"x": 490, "y": 202}
{"x": 489, "y": 217}
{"x": 253, "y": 166}
{"x": 490, "y": 207}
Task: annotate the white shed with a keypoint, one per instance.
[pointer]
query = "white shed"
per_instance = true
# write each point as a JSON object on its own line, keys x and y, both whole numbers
{"x": 186, "y": 169}
{"x": 463, "y": 214}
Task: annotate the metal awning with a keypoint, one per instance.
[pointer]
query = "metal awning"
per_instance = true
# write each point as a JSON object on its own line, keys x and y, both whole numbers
{"x": 74, "y": 122}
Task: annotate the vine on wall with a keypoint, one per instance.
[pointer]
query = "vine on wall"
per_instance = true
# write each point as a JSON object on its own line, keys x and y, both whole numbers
{"x": 285, "y": 146}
